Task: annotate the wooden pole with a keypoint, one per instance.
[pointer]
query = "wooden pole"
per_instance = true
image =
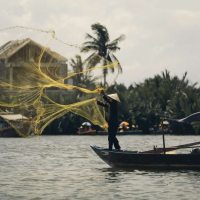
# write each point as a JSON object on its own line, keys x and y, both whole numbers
{"x": 163, "y": 138}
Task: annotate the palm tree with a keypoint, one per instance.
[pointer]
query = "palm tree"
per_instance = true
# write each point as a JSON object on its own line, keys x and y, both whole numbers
{"x": 84, "y": 80}
{"x": 102, "y": 48}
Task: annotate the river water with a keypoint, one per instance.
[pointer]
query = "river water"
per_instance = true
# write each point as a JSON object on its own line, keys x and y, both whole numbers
{"x": 65, "y": 167}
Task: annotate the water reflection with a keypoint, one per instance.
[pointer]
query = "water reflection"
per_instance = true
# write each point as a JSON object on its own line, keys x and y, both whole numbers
{"x": 112, "y": 175}
{"x": 166, "y": 177}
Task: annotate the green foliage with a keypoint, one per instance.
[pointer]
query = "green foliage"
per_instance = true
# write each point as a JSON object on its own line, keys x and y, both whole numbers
{"x": 162, "y": 97}
{"x": 83, "y": 80}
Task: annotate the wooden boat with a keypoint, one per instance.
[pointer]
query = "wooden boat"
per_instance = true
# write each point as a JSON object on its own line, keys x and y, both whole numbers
{"x": 137, "y": 132}
{"x": 158, "y": 158}
{"x": 91, "y": 132}
{"x": 5, "y": 129}
{"x": 141, "y": 160}
{"x": 8, "y": 132}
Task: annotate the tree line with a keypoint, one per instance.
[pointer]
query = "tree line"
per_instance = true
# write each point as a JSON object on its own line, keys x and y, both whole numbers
{"x": 145, "y": 104}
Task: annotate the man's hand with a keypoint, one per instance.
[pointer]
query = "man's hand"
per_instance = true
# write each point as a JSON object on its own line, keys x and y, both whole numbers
{"x": 95, "y": 99}
{"x": 102, "y": 92}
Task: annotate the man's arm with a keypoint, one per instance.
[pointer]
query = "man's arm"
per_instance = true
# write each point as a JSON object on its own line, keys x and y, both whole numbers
{"x": 105, "y": 97}
{"x": 102, "y": 104}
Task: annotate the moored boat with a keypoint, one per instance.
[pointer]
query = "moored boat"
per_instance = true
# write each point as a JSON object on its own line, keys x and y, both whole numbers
{"x": 136, "y": 132}
{"x": 6, "y": 130}
{"x": 90, "y": 132}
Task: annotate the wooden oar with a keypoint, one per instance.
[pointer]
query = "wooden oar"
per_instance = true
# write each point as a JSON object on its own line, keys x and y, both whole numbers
{"x": 161, "y": 150}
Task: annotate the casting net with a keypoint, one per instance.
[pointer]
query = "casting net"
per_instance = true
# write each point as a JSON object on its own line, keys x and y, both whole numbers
{"x": 37, "y": 85}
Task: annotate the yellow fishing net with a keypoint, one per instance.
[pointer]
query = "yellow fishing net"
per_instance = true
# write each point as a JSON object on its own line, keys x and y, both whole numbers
{"x": 35, "y": 85}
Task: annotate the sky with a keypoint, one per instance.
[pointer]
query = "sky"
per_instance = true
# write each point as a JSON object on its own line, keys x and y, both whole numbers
{"x": 160, "y": 34}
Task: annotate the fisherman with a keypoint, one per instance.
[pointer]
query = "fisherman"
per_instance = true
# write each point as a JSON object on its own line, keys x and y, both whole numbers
{"x": 112, "y": 105}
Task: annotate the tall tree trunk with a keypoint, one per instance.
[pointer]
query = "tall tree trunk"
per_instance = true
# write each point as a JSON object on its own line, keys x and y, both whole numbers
{"x": 104, "y": 78}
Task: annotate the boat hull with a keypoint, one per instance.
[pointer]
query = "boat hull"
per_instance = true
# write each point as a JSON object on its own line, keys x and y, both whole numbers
{"x": 135, "y": 160}
{"x": 92, "y": 132}
{"x": 8, "y": 132}
{"x": 121, "y": 133}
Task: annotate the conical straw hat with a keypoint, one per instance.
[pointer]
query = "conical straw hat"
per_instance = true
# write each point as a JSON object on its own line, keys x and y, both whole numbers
{"x": 114, "y": 96}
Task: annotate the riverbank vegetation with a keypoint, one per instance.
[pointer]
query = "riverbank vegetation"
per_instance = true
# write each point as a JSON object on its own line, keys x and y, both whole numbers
{"x": 144, "y": 104}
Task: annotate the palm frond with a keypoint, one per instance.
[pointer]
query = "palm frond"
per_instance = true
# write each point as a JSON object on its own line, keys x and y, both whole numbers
{"x": 184, "y": 76}
{"x": 119, "y": 65}
{"x": 101, "y": 32}
{"x": 117, "y": 40}
{"x": 90, "y": 37}
{"x": 113, "y": 48}
{"x": 92, "y": 60}
{"x": 89, "y": 48}
{"x": 194, "y": 84}
{"x": 90, "y": 43}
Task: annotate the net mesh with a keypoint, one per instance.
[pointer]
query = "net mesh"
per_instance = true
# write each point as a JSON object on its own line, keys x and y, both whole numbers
{"x": 29, "y": 74}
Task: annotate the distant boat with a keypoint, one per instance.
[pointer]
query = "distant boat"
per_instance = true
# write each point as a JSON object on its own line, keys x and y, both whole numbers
{"x": 90, "y": 132}
{"x": 136, "y": 132}
{"x": 158, "y": 158}
{"x": 6, "y": 130}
